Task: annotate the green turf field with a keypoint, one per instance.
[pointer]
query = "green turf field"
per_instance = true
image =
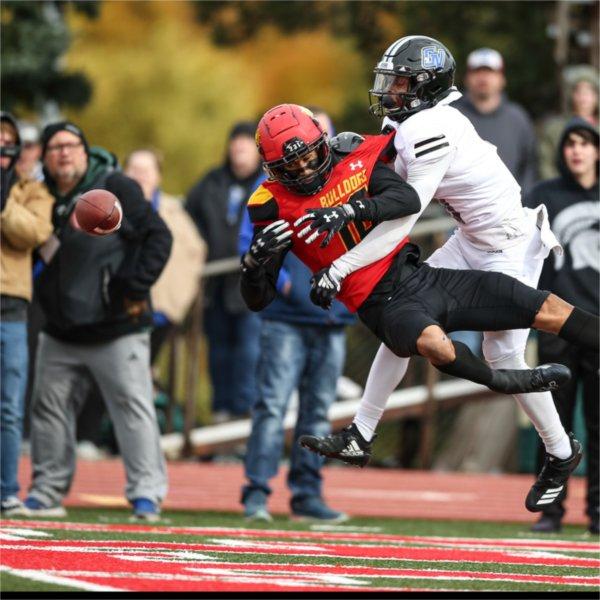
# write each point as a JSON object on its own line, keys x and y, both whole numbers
{"x": 97, "y": 550}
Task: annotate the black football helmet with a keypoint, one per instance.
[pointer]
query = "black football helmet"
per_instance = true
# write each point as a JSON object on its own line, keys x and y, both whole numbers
{"x": 426, "y": 63}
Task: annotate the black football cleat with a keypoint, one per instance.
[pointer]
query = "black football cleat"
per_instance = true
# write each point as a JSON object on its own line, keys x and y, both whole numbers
{"x": 549, "y": 377}
{"x": 545, "y": 378}
{"x": 347, "y": 445}
{"x": 550, "y": 486}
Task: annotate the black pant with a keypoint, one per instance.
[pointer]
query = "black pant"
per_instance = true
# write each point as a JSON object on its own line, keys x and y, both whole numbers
{"x": 584, "y": 366}
{"x": 455, "y": 300}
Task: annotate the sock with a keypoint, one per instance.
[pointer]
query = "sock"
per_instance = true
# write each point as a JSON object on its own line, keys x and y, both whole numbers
{"x": 387, "y": 371}
{"x": 541, "y": 410}
{"x": 467, "y": 366}
{"x": 582, "y": 329}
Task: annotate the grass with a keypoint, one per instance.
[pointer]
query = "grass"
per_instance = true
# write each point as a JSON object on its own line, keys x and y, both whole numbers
{"x": 11, "y": 583}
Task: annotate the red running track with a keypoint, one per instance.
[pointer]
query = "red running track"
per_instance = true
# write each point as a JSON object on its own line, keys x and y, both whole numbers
{"x": 359, "y": 492}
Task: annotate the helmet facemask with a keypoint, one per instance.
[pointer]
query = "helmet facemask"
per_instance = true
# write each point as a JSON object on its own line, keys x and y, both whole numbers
{"x": 385, "y": 102}
{"x": 293, "y": 176}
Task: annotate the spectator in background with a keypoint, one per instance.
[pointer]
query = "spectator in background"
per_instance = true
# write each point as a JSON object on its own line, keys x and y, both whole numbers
{"x": 496, "y": 119}
{"x": 29, "y": 165}
{"x": 216, "y": 204}
{"x": 502, "y": 123}
{"x": 94, "y": 292}
{"x": 178, "y": 285}
{"x": 573, "y": 203}
{"x": 301, "y": 348}
{"x": 25, "y": 223}
{"x": 581, "y": 82}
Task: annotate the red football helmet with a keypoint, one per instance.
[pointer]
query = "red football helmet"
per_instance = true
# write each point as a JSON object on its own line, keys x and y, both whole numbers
{"x": 287, "y": 133}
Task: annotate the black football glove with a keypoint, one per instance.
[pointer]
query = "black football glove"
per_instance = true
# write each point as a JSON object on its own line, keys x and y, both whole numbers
{"x": 268, "y": 242}
{"x": 325, "y": 284}
{"x": 325, "y": 220}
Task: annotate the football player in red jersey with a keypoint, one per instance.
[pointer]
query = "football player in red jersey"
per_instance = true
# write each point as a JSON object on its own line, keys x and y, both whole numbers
{"x": 341, "y": 190}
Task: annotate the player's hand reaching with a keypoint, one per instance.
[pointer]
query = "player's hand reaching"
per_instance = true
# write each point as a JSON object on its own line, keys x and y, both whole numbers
{"x": 268, "y": 242}
{"x": 325, "y": 284}
{"x": 325, "y": 220}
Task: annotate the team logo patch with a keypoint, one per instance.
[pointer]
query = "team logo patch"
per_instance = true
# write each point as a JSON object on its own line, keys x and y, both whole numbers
{"x": 293, "y": 146}
{"x": 432, "y": 57}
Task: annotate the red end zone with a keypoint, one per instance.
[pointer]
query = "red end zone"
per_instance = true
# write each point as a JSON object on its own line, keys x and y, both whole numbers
{"x": 207, "y": 565}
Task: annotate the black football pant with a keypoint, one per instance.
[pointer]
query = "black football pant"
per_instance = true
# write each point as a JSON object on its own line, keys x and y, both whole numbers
{"x": 455, "y": 300}
{"x": 584, "y": 366}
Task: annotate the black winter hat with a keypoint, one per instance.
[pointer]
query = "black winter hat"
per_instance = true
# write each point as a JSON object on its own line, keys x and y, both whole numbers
{"x": 243, "y": 128}
{"x": 53, "y": 128}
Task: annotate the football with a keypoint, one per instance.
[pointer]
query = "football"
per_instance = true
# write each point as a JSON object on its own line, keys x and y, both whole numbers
{"x": 98, "y": 212}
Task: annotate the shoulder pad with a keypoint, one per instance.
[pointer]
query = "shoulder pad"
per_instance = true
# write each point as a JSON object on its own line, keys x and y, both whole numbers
{"x": 260, "y": 196}
{"x": 346, "y": 142}
{"x": 262, "y": 206}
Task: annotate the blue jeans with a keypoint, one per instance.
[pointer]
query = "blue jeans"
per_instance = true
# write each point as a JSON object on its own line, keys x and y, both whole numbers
{"x": 232, "y": 358}
{"x": 13, "y": 377}
{"x": 309, "y": 358}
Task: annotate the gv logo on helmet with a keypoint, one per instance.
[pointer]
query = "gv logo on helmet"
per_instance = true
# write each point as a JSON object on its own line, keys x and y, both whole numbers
{"x": 294, "y": 145}
{"x": 432, "y": 57}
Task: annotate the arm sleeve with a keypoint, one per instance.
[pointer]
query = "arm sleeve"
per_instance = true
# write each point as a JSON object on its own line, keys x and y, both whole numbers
{"x": 259, "y": 285}
{"x": 424, "y": 175}
{"x": 390, "y": 197}
{"x": 27, "y": 224}
{"x": 152, "y": 235}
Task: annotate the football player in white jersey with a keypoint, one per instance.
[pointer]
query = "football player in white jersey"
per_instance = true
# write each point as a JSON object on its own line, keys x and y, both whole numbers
{"x": 442, "y": 157}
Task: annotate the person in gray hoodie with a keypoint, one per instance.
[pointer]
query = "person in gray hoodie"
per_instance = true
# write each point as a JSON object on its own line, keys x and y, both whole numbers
{"x": 573, "y": 204}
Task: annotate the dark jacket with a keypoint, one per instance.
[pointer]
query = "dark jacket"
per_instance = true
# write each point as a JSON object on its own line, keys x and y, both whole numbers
{"x": 216, "y": 204}
{"x": 82, "y": 289}
{"x": 510, "y": 129}
{"x": 575, "y": 220}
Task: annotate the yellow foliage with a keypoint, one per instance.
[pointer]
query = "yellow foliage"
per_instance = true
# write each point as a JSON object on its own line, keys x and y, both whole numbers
{"x": 159, "y": 81}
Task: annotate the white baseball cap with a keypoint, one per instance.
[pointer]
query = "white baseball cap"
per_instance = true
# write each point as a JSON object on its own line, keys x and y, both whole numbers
{"x": 485, "y": 58}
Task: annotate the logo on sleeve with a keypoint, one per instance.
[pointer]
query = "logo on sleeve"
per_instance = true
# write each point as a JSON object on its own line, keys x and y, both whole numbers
{"x": 432, "y": 57}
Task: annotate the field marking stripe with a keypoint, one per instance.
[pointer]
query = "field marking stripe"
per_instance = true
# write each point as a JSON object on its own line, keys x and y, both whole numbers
{"x": 409, "y": 573}
{"x": 47, "y": 578}
{"x": 275, "y": 575}
{"x": 345, "y": 550}
{"x": 406, "y": 554}
{"x": 279, "y": 533}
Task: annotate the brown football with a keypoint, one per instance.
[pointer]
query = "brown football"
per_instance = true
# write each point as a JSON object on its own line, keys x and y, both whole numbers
{"x": 98, "y": 212}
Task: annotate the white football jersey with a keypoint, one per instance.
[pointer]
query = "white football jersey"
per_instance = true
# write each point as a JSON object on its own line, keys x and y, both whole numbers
{"x": 441, "y": 155}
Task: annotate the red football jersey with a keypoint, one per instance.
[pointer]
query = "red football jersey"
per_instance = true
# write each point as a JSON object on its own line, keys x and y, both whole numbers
{"x": 349, "y": 179}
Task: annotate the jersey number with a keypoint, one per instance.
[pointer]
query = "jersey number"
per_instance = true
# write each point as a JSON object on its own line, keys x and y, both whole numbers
{"x": 357, "y": 230}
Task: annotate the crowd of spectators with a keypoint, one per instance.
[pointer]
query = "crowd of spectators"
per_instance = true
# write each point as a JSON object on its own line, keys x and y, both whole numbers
{"x": 110, "y": 302}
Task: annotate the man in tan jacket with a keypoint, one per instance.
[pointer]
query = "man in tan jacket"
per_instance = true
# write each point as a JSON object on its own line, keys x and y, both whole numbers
{"x": 178, "y": 285}
{"x": 25, "y": 223}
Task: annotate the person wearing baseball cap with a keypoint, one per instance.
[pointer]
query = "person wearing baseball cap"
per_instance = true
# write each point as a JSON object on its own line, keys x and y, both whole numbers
{"x": 498, "y": 120}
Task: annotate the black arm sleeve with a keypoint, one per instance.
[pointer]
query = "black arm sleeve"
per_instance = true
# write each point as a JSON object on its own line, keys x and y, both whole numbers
{"x": 151, "y": 235}
{"x": 258, "y": 285}
{"x": 390, "y": 197}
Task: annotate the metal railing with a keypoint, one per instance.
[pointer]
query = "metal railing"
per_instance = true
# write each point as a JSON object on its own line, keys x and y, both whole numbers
{"x": 421, "y": 397}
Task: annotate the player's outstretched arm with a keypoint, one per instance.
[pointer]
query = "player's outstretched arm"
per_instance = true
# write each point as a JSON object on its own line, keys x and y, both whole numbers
{"x": 424, "y": 175}
{"x": 390, "y": 197}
